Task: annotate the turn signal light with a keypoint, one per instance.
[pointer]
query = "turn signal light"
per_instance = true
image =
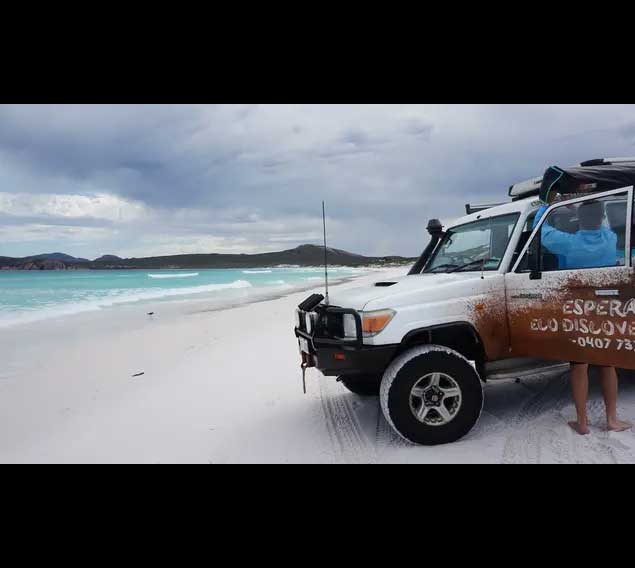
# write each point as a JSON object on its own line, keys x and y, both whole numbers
{"x": 375, "y": 322}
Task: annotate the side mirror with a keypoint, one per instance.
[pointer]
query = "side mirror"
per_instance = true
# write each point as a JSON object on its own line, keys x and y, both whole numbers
{"x": 534, "y": 258}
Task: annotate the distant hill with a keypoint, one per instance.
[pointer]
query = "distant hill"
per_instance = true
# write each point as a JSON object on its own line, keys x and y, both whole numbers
{"x": 304, "y": 255}
{"x": 39, "y": 264}
{"x": 57, "y": 256}
{"x": 108, "y": 258}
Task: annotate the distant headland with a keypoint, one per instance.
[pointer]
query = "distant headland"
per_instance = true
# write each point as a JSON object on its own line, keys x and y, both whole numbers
{"x": 304, "y": 255}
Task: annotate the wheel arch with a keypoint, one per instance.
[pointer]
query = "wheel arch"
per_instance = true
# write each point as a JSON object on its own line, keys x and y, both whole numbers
{"x": 460, "y": 336}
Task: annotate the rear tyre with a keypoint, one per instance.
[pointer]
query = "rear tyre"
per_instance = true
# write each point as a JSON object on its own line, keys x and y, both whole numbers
{"x": 431, "y": 395}
{"x": 362, "y": 385}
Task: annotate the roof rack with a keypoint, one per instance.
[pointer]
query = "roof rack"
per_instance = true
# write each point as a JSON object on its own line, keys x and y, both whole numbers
{"x": 469, "y": 209}
{"x": 606, "y": 162}
{"x": 525, "y": 188}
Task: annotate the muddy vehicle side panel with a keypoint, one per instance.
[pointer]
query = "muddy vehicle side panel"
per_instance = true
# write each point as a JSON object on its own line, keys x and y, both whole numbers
{"x": 586, "y": 315}
{"x": 489, "y": 317}
{"x": 580, "y": 316}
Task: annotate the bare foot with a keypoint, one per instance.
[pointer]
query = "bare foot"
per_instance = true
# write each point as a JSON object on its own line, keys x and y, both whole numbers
{"x": 619, "y": 425}
{"x": 582, "y": 430}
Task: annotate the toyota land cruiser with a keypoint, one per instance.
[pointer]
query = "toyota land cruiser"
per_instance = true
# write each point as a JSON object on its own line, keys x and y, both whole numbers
{"x": 486, "y": 300}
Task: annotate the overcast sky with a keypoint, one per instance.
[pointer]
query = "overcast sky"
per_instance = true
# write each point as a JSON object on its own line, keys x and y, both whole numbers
{"x": 145, "y": 180}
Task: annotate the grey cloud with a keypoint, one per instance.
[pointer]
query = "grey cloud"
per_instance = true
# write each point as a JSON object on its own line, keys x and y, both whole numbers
{"x": 344, "y": 152}
{"x": 249, "y": 171}
{"x": 357, "y": 138}
{"x": 6, "y": 219}
{"x": 628, "y": 131}
{"x": 245, "y": 112}
{"x": 143, "y": 166}
{"x": 416, "y": 127}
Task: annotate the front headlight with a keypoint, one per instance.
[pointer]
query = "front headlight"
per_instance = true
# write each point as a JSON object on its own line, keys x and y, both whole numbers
{"x": 350, "y": 326}
{"x": 309, "y": 320}
{"x": 298, "y": 319}
{"x": 375, "y": 322}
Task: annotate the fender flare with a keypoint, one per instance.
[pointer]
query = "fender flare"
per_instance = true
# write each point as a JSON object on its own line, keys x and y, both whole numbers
{"x": 428, "y": 331}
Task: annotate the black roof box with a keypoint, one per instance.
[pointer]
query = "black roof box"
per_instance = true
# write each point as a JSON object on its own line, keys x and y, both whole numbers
{"x": 607, "y": 173}
{"x": 595, "y": 177}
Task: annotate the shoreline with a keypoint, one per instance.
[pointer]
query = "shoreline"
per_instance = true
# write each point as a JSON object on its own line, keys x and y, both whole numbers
{"x": 147, "y": 268}
{"x": 279, "y": 295}
{"x": 221, "y": 298}
{"x": 280, "y": 266}
{"x": 119, "y": 386}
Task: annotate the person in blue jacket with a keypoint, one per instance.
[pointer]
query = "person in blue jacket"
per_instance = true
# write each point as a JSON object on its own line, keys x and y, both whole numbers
{"x": 593, "y": 246}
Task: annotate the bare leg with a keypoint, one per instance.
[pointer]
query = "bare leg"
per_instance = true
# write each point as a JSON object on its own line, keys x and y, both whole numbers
{"x": 609, "y": 382}
{"x": 580, "y": 389}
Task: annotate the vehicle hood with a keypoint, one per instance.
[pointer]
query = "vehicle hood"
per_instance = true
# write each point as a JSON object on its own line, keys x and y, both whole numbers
{"x": 434, "y": 287}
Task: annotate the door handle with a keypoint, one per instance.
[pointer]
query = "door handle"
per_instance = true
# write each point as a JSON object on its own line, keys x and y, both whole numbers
{"x": 527, "y": 297}
{"x": 607, "y": 292}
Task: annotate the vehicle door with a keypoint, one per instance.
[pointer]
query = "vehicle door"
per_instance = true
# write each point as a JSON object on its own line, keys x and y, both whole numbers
{"x": 575, "y": 301}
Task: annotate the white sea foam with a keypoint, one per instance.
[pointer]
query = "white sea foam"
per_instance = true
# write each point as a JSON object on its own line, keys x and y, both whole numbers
{"x": 151, "y": 294}
{"x": 115, "y": 297}
{"x": 35, "y": 298}
{"x": 163, "y": 276}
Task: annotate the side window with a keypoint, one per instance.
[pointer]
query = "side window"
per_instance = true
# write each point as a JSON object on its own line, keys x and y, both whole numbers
{"x": 588, "y": 234}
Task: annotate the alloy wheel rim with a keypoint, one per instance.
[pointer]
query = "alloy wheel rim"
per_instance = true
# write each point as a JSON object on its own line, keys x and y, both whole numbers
{"x": 435, "y": 399}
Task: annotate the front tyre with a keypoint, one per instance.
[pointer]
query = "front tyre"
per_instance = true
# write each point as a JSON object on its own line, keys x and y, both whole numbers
{"x": 431, "y": 395}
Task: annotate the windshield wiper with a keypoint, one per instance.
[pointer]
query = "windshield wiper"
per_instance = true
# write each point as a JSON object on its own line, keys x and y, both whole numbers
{"x": 474, "y": 263}
{"x": 431, "y": 270}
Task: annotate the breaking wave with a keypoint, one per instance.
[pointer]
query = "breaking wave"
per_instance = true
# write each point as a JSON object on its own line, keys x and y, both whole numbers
{"x": 257, "y": 271}
{"x": 93, "y": 302}
{"x": 188, "y": 275}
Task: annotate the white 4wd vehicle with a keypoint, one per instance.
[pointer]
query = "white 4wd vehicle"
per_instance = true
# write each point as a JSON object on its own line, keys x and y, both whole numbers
{"x": 488, "y": 299}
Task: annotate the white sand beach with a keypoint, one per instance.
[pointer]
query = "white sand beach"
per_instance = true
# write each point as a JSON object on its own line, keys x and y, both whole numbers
{"x": 223, "y": 386}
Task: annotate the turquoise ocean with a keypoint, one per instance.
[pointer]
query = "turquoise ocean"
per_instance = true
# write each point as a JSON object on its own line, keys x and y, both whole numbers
{"x": 27, "y": 296}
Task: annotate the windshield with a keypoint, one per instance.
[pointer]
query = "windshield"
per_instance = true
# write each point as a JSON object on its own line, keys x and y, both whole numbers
{"x": 476, "y": 246}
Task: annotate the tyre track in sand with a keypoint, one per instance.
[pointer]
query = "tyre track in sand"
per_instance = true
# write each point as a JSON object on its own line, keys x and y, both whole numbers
{"x": 354, "y": 440}
{"x": 538, "y": 432}
{"x": 349, "y": 443}
{"x": 524, "y": 444}
{"x": 386, "y": 438}
{"x": 541, "y": 432}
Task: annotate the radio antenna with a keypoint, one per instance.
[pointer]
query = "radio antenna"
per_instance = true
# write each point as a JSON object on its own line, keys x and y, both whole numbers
{"x": 326, "y": 271}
